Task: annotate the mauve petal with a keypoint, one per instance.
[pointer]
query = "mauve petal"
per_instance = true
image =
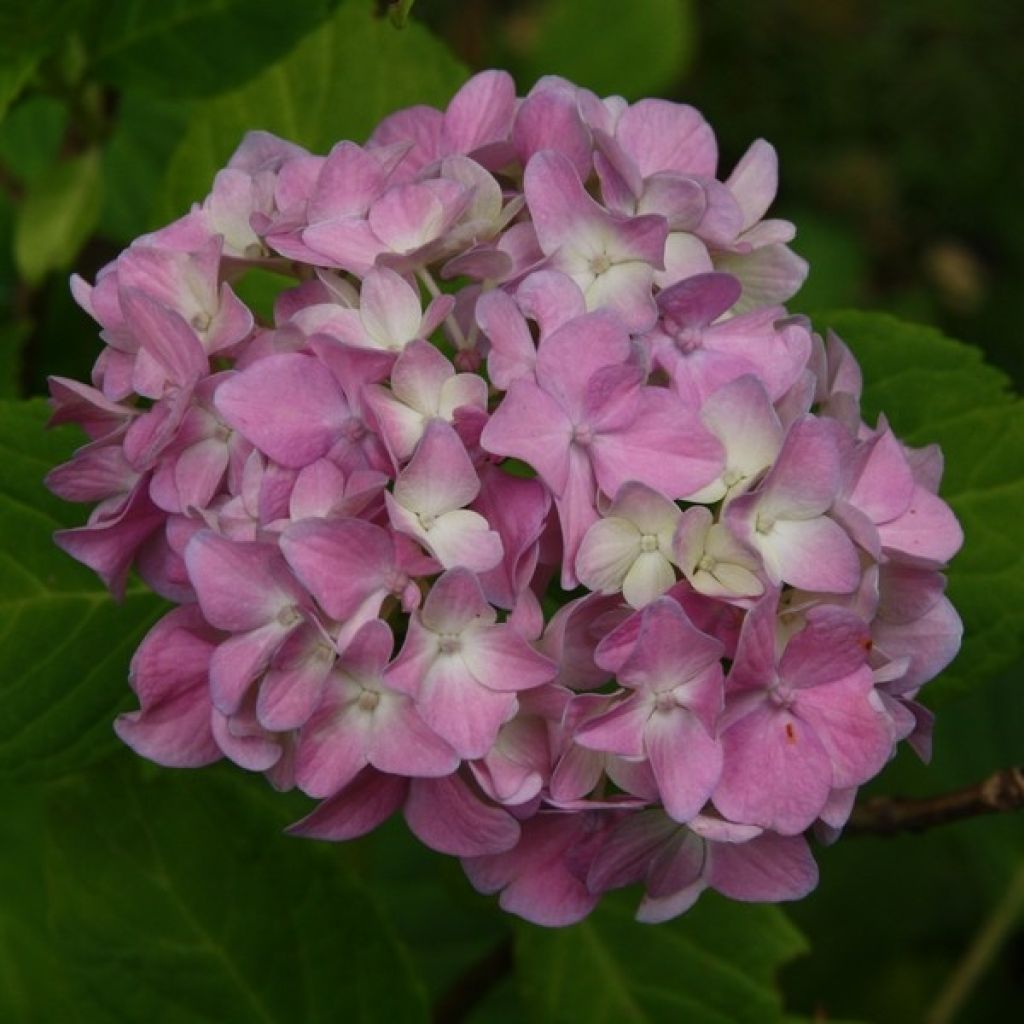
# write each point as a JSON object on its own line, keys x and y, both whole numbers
{"x": 530, "y": 425}
{"x": 686, "y": 761}
{"x": 768, "y": 869}
{"x": 447, "y": 816}
{"x": 685, "y": 256}
{"x": 288, "y": 406}
{"x": 165, "y": 336}
{"x": 669, "y": 651}
{"x": 805, "y": 479}
{"x": 884, "y": 485}
{"x": 390, "y": 308}
{"x": 606, "y": 554}
{"x": 175, "y": 733}
{"x": 549, "y": 120}
{"x": 664, "y": 136}
{"x": 851, "y": 725}
{"x": 550, "y": 298}
{"x": 625, "y": 288}
{"x": 459, "y": 709}
{"x": 403, "y": 744}
{"x": 500, "y": 659}
{"x": 346, "y": 242}
{"x": 512, "y": 353}
{"x": 632, "y": 843}
{"x": 558, "y": 203}
{"x": 340, "y": 561}
{"x": 666, "y": 447}
{"x": 240, "y": 585}
{"x": 754, "y": 181}
{"x": 834, "y": 643}
{"x": 569, "y": 357}
{"x": 329, "y": 759}
{"x": 440, "y": 476}
{"x": 360, "y": 807}
{"x": 769, "y": 275}
{"x": 238, "y": 661}
{"x": 931, "y": 641}
{"x": 349, "y": 181}
{"x": 811, "y": 554}
{"x": 253, "y": 751}
{"x": 462, "y": 537}
{"x": 776, "y": 773}
{"x": 927, "y": 531}
{"x": 455, "y": 601}
{"x": 699, "y": 300}
{"x": 619, "y": 730}
{"x": 199, "y": 472}
{"x": 479, "y": 113}
{"x": 291, "y": 691}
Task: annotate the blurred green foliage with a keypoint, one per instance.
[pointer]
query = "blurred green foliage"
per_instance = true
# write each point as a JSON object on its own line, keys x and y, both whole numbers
{"x": 132, "y": 894}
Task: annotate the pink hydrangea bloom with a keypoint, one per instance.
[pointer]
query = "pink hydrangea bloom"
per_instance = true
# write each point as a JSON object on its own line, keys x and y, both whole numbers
{"x": 531, "y": 513}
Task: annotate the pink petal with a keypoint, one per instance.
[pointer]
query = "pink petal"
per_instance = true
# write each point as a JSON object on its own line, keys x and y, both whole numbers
{"x": 850, "y": 725}
{"x": 288, "y": 406}
{"x": 530, "y": 425}
{"x": 776, "y": 772}
{"x": 479, "y": 113}
{"x": 549, "y": 120}
{"x": 349, "y": 181}
{"x": 440, "y": 477}
{"x": 459, "y": 709}
{"x": 360, "y": 807}
{"x": 665, "y": 447}
{"x": 754, "y": 181}
{"x": 341, "y": 562}
{"x": 240, "y": 585}
{"x": 500, "y": 659}
{"x": 767, "y": 869}
{"x": 664, "y": 136}
{"x": 686, "y": 761}
{"x": 447, "y": 816}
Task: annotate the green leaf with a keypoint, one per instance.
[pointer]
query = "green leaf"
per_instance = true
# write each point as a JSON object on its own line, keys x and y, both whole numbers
{"x": 30, "y": 137}
{"x": 14, "y": 75}
{"x": 336, "y": 84}
{"x": 635, "y": 49}
{"x": 714, "y": 965}
{"x": 194, "y": 47}
{"x": 59, "y": 212}
{"x": 135, "y": 161}
{"x": 934, "y": 389}
{"x": 66, "y": 643}
{"x": 177, "y": 898}
{"x": 12, "y": 338}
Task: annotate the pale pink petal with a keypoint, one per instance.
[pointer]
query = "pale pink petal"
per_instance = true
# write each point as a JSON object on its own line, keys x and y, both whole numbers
{"x": 664, "y": 136}
{"x": 288, "y": 406}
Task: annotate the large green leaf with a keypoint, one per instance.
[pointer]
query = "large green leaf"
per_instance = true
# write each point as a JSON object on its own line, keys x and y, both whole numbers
{"x": 66, "y": 643}
{"x": 336, "y": 84}
{"x": 14, "y": 74}
{"x": 714, "y": 965}
{"x": 144, "y": 896}
{"x": 194, "y": 47}
{"x": 58, "y": 214}
{"x": 934, "y": 389}
{"x": 635, "y": 49}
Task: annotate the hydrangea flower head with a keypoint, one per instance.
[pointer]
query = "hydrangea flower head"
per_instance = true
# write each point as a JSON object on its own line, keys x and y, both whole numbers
{"x": 531, "y": 514}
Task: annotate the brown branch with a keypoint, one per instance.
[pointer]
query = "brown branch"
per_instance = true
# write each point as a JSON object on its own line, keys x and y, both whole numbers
{"x": 888, "y": 815}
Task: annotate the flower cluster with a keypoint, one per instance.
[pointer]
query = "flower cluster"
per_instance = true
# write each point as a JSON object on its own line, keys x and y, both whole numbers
{"x": 531, "y": 513}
